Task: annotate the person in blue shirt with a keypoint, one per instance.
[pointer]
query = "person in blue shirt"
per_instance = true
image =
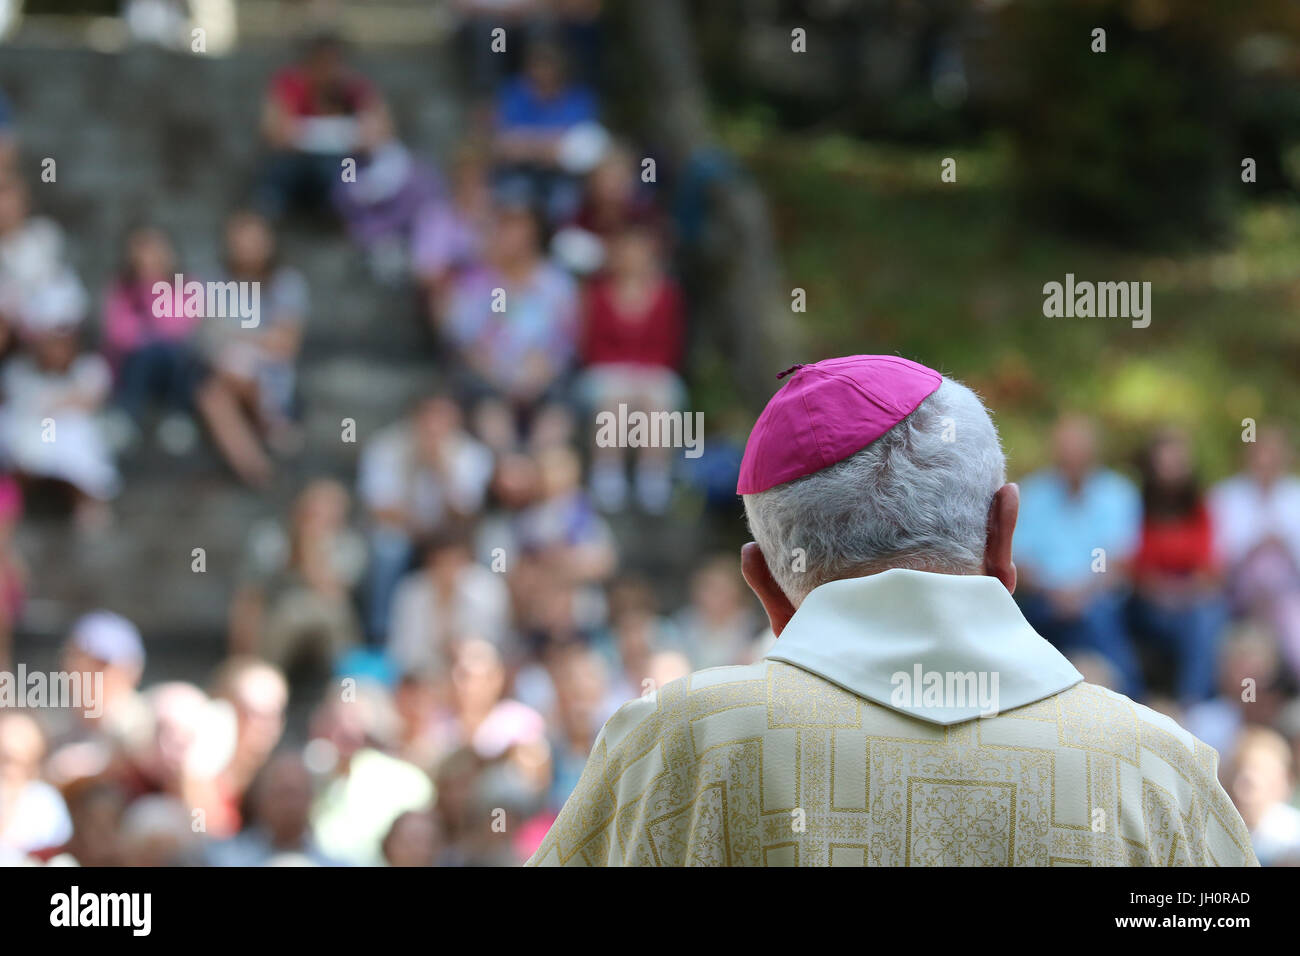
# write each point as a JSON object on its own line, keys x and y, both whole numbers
{"x": 535, "y": 113}
{"x": 1079, "y": 528}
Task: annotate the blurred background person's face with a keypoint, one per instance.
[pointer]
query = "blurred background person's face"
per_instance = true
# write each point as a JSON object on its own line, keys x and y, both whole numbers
{"x": 249, "y": 243}
{"x": 1074, "y": 447}
{"x": 322, "y": 506}
{"x": 284, "y": 798}
{"x": 478, "y": 678}
{"x": 324, "y": 64}
{"x": 55, "y": 350}
{"x": 1171, "y": 461}
{"x": 259, "y": 697}
{"x": 634, "y": 254}
{"x": 1260, "y": 779}
{"x": 514, "y": 237}
{"x": 178, "y": 712}
{"x": 21, "y": 748}
{"x": 413, "y": 840}
{"x": 613, "y": 181}
{"x": 545, "y": 70}
{"x": 436, "y": 421}
{"x": 151, "y": 256}
{"x": 515, "y": 481}
{"x": 1268, "y": 457}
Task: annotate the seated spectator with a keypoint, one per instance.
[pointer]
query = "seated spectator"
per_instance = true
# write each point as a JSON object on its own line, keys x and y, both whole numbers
{"x": 295, "y": 605}
{"x": 366, "y": 789}
{"x": 182, "y": 755}
{"x": 1078, "y": 529}
{"x": 109, "y": 646}
{"x": 33, "y": 817}
{"x": 149, "y": 340}
{"x": 53, "y": 394}
{"x": 381, "y": 205}
{"x": 1249, "y": 689}
{"x": 481, "y": 715}
{"x": 413, "y": 476}
{"x": 1176, "y": 603}
{"x": 719, "y": 627}
{"x": 279, "y": 825}
{"x": 547, "y": 133}
{"x": 259, "y": 695}
{"x": 416, "y": 698}
{"x": 249, "y": 396}
{"x": 32, "y": 251}
{"x": 1257, "y": 529}
{"x": 451, "y": 233}
{"x": 633, "y": 632}
{"x": 413, "y": 840}
{"x": 95, "y": 807}
{"x": 448, "y": 599}
{"x": 1259, "y": 780}
{"x": 318, "y": 112}
{"x": 513, "y": 326}
{"x": 613, "y": 200}
{"x": 562, "y": 530}
{"x": 632, "y": 342}
{"x": 581, "y": 688}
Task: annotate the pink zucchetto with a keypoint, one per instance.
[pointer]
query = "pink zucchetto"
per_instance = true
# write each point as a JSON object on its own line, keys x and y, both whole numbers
{"x": 828, "y": 411}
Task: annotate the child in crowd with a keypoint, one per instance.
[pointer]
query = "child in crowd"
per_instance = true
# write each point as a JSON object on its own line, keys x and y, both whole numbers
{"x": 53, "y": 396}
{"x": 148, "y": 339}
{"x": 450, "y": 233}
{"x": 249, "y": 395}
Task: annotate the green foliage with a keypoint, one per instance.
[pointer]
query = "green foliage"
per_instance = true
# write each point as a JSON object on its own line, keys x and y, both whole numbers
{"x": 1133, "y": 144}
{"x": 894, "y": 260}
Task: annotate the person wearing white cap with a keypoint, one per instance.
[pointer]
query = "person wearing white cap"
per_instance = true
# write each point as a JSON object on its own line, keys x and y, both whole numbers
{"x": 52, "y": 394}
{"x": 107, "y": 644}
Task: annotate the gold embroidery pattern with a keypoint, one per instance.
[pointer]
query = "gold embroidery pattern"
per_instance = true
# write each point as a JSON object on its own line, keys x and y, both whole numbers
{"x": 769, "y": 765}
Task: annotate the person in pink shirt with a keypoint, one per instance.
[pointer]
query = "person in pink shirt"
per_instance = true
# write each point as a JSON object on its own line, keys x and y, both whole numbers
{"x": 148, "y": 344}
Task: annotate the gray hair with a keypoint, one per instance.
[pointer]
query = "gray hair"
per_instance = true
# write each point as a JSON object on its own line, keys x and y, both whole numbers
{"x": 917, "y": 497}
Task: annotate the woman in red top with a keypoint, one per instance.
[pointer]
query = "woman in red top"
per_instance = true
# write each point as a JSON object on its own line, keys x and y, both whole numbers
{"x": 1177, "y": 605}
{"x": 633, "y": 335}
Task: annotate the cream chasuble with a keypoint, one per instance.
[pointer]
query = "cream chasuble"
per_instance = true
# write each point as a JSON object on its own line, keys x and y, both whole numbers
{"x": 902, "y": 719}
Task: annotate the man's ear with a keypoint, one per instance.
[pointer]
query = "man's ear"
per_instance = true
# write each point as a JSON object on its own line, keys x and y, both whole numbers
{"x": 1002, "y": 525}
{"x": 759, "y": 578}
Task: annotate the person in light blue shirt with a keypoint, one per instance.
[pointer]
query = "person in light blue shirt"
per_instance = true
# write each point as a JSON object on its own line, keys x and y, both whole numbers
{"x": 1079, "y": 527}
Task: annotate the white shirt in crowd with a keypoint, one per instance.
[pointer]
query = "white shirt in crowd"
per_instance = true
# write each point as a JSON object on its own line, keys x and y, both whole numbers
{"x": 422, "y": 625}
{"x": 1245, "y": 514}
{"x": 392, "y": 477}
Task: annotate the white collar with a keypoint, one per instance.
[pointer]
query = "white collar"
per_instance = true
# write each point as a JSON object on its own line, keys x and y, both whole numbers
{"x": 865, "y": 633}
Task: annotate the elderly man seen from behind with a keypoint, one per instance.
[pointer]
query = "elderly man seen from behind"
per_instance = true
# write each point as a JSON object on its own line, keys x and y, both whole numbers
{"x": 907, "y": 715}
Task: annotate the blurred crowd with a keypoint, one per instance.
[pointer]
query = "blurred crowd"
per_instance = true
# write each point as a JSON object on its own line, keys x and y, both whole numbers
{"x": 420, "y": 656}
{"x": 455, "y": 622}
{"x": 1183, "y": 597}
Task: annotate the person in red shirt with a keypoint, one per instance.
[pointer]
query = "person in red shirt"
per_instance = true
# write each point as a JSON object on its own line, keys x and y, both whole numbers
{"x": 317, "y": 112}
{"x": 633, "y": 335}
{"x": 1177, "y": 604}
